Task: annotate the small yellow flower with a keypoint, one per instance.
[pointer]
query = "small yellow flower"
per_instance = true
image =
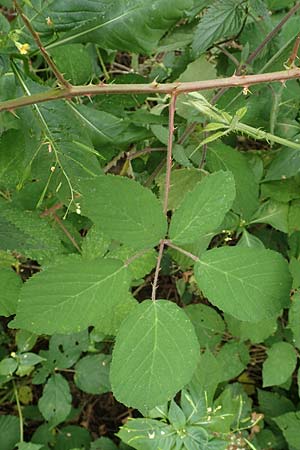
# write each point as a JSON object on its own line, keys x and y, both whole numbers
{"x": 23, "y": 48}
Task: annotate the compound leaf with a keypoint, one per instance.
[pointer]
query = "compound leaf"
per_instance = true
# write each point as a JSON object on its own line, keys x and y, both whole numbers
{"x": 155, "y": 355}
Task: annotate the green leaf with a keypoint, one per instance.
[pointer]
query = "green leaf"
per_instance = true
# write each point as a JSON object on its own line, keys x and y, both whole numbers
{"x": 137, "y": 220}
{"x": 223, "y": 18}
{"x": 248, "y": 283}
{"x": 8, "y": 366}
{"x": 74, "y": 62}
{"x": 147, "y": 434}
{"x": 10, "y": 285}
{"x": 95, "y": 244}
{"x": 203, "y": 209}
{"x": 29, "y": 446}
{"x": 289, "y": 424}
{"x": 103, "y": 443}
{"x": 103, "y": 127}
{"x": 273, "y": 404}
{"x": 92, "y": 374}
{"x": 182, "y": 181}
{"x": 280, "y": 364}
{"x": 255, "y": 332}
{"x": 140, "y": 266}
{"x": 248, "y": 240}
{"x": 273, "y": 213}
{"x": 294, "y": 314}
{"x": 53, "y": 301}
{"x": 155, "y": 355}
{"x": 12, "y": 163}
{"x": 72, "y": 437}
{"x": 131, "y": 26}
{"x": 9, "y": 432}
{"x": 223, "y": 157}
{"x": 209, "y": 325}
{"x": 237, "y": 354}
{"x": 294, "y": 216}
{"x": 26, "y": 233}
{"x": 285, "y": 164}
{"x": 55, "y": 403}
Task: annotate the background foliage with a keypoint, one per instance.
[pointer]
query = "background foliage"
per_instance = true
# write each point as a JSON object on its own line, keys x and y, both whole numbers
{"x": 92, "y": 228}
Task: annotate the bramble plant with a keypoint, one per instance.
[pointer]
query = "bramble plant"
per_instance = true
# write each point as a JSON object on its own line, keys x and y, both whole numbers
{"x": 150, "y": 225}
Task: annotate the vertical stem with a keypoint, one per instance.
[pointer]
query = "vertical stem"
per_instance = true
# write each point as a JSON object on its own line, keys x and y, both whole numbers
{"x": 172, "y": 107}
{"x": 19, "y": 411}
{"x": 157, "y": 269}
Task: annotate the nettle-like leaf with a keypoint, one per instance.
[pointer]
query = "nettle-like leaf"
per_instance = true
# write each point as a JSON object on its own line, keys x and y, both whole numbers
{"x": 55, "y": 403}
{"x": 124, "y": 210}
{"x": 222, "y": 19}
{"x": 26, "y": 233}
{"x": 249, "y": 283}
{"x": 223, "y": 157}
{"x": 203, "y": 209}
{"x": 73, "y": 295}
{"x": 10, "y": 285}
{"x": 131, "y": 25}
{"x": 155, "y": 355}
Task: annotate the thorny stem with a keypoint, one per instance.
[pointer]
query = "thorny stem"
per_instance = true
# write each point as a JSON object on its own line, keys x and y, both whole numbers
{"x": 270, "y": 36}
{"x": 294, "y": 54}
{"x": 172, "y": 107}
{"x": 189, "y": 130}
{"x": 164, "y": 88}
{"x": 59, "y": 76}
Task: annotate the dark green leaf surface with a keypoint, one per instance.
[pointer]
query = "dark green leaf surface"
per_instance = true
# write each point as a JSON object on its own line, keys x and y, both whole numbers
{"x": 222, "y": 19}
{"x": 9, "y": 432}
{"x": 145, "y": 370}
{"x": 124, "y": 210}
{"x": 131, "y": 25}
{"x": 92, "y": 374}
{"x": 223, "y": 157}
{"x": 203, "y": 209}
{"x": 55, "y": 403}
{"x": 10, "y": 285}
{"x": 248, "y": 283}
